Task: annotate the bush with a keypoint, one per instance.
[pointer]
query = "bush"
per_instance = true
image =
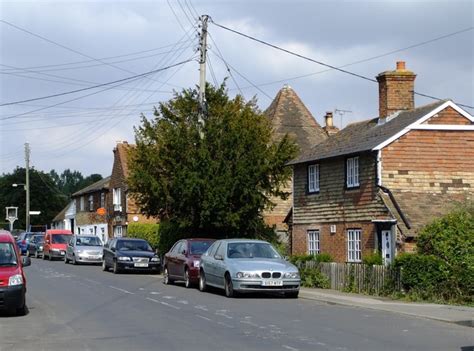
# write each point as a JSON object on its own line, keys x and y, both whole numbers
{"x": 169, "y": 233}
{"x": 313, "y": 278}
{"x": 147, "y": 231}
{"x": 373, "y": 259}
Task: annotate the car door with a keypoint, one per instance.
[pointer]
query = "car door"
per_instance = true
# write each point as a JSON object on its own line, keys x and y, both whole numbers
{"x": 210, "y": 268}
{"x": 181, "y": 259}
{"x": 47, "y": 242}
{"x": 70, "y": 248}
{"x": 172, "y": 265}
{"x": 220, "y": 264}
{"x": 108, "y": 254}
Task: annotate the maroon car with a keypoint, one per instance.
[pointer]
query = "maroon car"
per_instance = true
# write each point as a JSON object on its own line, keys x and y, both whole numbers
{"x": 182, "y": 261}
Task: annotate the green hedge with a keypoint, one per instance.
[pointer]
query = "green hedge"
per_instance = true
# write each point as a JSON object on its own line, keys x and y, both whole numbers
{"x": 298, "y": 260}
{"x": 147, "y": 231}
{"x": 312, "y": 278}
{"x": 169, "y": 233}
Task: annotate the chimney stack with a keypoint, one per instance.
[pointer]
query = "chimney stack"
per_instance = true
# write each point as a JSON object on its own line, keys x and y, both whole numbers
{"x": 396, "y": 90}
{"x": 330, "y": 129}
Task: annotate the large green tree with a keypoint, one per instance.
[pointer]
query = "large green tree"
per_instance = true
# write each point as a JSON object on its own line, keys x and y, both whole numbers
{"x": 44, "y": 196}
{"x": 71, "y": 181}
{"x": 215, "y": 179}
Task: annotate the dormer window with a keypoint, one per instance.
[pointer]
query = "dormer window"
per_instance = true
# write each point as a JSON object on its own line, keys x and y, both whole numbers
{"x": 313, "y": 178}
{"x": 352, "y": 172}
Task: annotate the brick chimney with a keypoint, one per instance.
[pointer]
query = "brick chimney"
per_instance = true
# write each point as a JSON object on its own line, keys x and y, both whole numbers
{"x": 330, "y": 129}
{"x": 396, "y": 90}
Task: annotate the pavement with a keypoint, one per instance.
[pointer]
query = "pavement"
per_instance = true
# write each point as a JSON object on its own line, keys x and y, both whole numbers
{"x": 462, "y": 315}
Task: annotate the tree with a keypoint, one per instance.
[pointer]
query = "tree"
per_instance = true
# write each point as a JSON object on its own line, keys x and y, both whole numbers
{"x": 44, "y": 196}
{"x": 71, "y": 181}
{"x": 213, "y": 180}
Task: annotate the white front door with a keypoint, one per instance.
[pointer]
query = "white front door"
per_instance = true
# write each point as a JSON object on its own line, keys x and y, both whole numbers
{"x": 387, "y": 246}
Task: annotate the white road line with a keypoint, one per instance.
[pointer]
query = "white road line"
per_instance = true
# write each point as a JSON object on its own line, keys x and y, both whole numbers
{"x": 184, "y": 302}
{"x": 168, "y": 297}
{"x": 226, "y": 325}
{"x": 207, "y": 319}
{"x": 201, "y": 307}
{"x": 164, "y": 303}
{"x": 154, "y": 293}
{"x": 290, "y": 348}
{"x": 122, "y": 290}
{"x": 92, "y": 281}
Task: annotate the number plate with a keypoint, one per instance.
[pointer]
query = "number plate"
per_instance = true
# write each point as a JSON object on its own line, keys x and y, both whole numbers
{"x": 141, "y": 265}
{"x": 94, "y": 257}
{"x": 63, "y": 253}
{"x": 272, "y": 283}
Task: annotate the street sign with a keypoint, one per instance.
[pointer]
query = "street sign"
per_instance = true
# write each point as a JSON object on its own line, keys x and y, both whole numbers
{"x": 35, "y": 213}
{"x": 12, "y": 213}
{"x": 101, "y": 211}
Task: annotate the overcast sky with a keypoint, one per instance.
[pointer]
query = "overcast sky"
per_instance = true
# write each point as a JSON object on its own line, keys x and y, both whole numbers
{"x": 133, "y": 37}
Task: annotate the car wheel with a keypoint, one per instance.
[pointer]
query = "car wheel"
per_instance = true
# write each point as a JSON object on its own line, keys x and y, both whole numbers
{"x": 228, "y": 286}
{"x": 36, "y": 254}
{"x": 202, "y": 281}
{"x": 292, "y": 294}
{"x": 166, "y": 277}
{"x": 49, "y": 257}
{"x": 44, "y": 256}
{"x": 104, "y": 266}
{"x": 187, "y": 281}
{"x": 115, "y": 268}
{"x": 74, "y": 262}
{"x": 66, "y": 261}
{"x": 21, "y": 311}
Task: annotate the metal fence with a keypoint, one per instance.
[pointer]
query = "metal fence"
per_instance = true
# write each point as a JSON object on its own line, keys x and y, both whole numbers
{"x": 357, "y": 277}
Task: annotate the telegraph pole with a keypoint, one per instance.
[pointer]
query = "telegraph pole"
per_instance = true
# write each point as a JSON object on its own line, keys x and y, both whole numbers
{"x": 27, "y": 185}
{"x": 202, "y": 69}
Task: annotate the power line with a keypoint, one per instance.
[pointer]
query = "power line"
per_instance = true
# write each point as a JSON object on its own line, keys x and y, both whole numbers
{"x": 325, "y": 64}
{"x": 95, "y": 86}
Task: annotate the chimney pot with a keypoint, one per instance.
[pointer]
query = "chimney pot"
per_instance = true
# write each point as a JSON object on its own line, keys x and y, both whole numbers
{"x": 400, "y": 65}
{"x": 329, "y": 120}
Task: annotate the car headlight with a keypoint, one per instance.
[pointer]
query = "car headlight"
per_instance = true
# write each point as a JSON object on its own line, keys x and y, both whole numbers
{"x": 41, "y": 247}
{"x": 155, "y": 259}
{"x": 16, "y": 279}
{"x": 196, "y": 264}
{"x": 247, "y": 275}
{"x": 123, "y": 258}
{"x": 79, "y": 251}
{"x": 291, "y": 275}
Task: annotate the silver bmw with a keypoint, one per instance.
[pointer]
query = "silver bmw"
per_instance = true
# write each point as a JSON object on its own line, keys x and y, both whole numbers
{"x": 241, "y": 265}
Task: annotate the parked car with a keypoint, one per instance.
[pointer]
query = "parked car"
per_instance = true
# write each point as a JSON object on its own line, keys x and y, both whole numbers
{"x": 182, "y": 261}
{"x": 12, "y": 277}
{"x": 130, "y": 254}
{"x": 55, "y": 243}
{"x": 84, "y": 249}
{"x": 35, "y": 247}
{"x": 239, "y": 265}
{"x": 23, "y": 241}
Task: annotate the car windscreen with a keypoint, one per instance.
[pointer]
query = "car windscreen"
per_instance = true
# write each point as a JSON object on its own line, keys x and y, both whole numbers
{"x": 7, "y": 255}
{"x": 88, "y": 241}
{"x": 133, "y": 245}
{"x": 39, "y": 239}
{"x": 60, "y": 238}
{"x": 199, "y": 247}
{"x": 251, "y": 250}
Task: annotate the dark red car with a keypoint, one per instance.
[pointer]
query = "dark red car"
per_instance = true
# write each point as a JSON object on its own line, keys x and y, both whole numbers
{"x": 182, "y": 261}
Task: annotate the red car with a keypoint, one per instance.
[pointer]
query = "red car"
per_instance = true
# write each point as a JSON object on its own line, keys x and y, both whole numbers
{"x": 182, "y": 261}
{"x": 55, "y": 243}
{"x": 12, "y": 277}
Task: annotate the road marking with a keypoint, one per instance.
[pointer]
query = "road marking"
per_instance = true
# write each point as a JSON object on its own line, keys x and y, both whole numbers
{"x": 122, "y": 290}
{"x": 92, "y": 281}
{"x": 226, "y": 325}
{"x": 207, "y": 319}
{"x": 223, "y": 313}
{"x": 164, "y": 303}
{"x": 154, "y": 293}
{"x": 168, "y": 297}
{"x": 141, "y": 289}
{"x": 290, "y": 348}
{"x": 184, "y": 302}
{"x": 201, "y": 307}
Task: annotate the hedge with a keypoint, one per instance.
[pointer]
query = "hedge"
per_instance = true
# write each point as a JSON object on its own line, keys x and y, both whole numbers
{"x": 147, "y": 231}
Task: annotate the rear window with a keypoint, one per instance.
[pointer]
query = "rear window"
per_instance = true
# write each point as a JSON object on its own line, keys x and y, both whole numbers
{"x": 60, "y": 238}
{"x": 7, "y": 255}
{"x": 199, "y": 247}
{"x": 88, "y": 241}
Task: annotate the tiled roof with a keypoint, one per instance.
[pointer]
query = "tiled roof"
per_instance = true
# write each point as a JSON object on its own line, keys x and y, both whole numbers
{"x": 61, "y": 215}
{"x": 99, "y": 185}
{"x": 289, "y": 115}
{"x": 365, "y": 135}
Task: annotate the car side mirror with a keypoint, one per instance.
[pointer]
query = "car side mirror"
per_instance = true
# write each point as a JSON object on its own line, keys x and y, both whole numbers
{"x": 112, "y": 249}
{"x": 183, "y": 251}
{"x": 219, "y": 257}
{"x": 286, "y": 258}
{"x": 26, "y": 261}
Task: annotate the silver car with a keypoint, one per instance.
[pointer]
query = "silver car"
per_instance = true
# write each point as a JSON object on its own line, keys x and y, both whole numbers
{"x": 240, "y": 265}
{"x": 84, "y": 249}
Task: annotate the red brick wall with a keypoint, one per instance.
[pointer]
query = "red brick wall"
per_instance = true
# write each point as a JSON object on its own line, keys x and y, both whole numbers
{"x": 448, "y": 116}
{"x": 334, "y": 244}
{"x": 395, "y": 92}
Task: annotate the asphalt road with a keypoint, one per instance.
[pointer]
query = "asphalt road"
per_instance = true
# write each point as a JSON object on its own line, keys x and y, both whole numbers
{"x": 83, "y": 308}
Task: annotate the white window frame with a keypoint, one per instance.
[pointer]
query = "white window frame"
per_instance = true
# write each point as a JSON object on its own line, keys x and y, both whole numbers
{"x": 81, "y": 200}
{"x": 313, "y": 178}
{"x": 102, "y": 199}
{"x": 118, "y": 231}
{"x": 354, "y": 245}
{"x": 352, "y": 172}
{"x": 117, "y": 199}
{"x": 314, "y": 247}
{"x": 91, "y": 202}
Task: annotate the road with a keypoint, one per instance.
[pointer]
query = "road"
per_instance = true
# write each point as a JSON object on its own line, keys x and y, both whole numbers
{"x": 83, "y": 308}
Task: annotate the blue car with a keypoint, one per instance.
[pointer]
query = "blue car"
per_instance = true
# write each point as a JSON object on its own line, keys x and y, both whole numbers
{"x": 24, "y": 240}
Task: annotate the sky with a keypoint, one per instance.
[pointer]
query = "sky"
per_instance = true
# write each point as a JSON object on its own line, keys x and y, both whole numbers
{"x": 55, "y": 47}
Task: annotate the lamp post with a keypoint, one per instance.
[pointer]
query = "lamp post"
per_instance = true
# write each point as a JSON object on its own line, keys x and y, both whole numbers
{"x": 27, "y": 189}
